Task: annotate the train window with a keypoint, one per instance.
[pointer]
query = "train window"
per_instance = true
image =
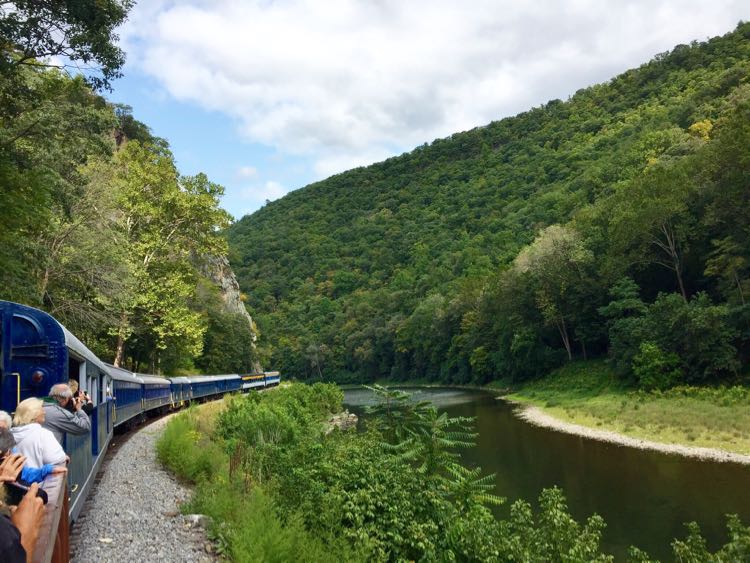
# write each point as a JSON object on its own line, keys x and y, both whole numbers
{"x": 76, "y": 370}
{"x": 91, "y": 383}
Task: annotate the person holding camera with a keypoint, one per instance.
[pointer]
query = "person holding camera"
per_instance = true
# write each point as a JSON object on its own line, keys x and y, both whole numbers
{"x": 65, "y": 414}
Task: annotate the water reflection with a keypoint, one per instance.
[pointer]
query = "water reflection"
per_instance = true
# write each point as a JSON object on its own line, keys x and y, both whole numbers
{"x": 645, "y": 497}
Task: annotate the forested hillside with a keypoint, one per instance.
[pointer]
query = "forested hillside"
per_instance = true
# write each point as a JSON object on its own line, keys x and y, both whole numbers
{"x": 98, "y": 226}
{"x": 615, "y": 224}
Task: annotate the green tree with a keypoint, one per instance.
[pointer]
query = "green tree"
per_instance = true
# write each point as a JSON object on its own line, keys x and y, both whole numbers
{"x": 555, "y": 264}
{"x": 166, "y": 221}
{"x": 652, "y": 222}
{"x": 32, "y": 31}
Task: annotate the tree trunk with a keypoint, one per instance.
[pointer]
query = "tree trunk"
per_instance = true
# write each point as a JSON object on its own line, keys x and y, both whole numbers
{"x": 739, "y": 287}
{"x": 564, "y": 335}
{"x": 669, "y": 246}
{"x": 120, "y": 351}
{"x": 679, "y": 281}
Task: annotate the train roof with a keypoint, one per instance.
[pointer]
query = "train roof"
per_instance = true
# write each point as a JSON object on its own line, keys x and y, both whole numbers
{"x": 80, "y": 349}
{"x": 45, "y": 322}
{"x": 153, "y": 379}
{"x": 206, "y": 378}
{"x": 182, "y": 379}
{"x": 123, "y": 374}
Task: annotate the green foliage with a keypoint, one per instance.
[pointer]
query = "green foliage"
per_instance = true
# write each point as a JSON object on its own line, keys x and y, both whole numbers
{"x": 489, "y": 254}
{"x": 654, "y": 369}
{"x": 99, "y": 229}
{"x": 693, "y": 548}
{"x": 351, "y": 496}
{"x": 82, "y": 32}
{"x": 673, "y": 340}
{"x": 229, "y": 337}
{"x": 554, "y": 535}
{"x": 187, "y": 452}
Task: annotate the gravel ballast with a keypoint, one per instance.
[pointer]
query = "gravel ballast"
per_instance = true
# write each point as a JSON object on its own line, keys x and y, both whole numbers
{"x": 133, "y": 513}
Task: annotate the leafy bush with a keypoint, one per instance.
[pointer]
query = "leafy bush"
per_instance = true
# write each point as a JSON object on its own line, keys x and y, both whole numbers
{"x": 655, "y": 369}
{"x": 355, "y": 496}
{"x": 673, "y": 341}
{"x": 190, "y": 454}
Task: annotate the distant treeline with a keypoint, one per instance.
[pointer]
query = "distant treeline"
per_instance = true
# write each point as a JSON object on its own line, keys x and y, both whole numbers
{"x": 98, "y": 226}
{"x": 614, "y": 224}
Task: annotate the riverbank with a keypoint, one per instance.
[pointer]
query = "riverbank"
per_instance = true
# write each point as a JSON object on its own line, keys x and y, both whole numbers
{"x": 586, "y": 399}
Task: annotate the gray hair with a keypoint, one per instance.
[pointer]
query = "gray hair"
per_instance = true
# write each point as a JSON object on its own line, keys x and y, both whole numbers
{"x": 7, "y": 441}
{"x": 60, "y": 391}
{"x": 5, "y": 420}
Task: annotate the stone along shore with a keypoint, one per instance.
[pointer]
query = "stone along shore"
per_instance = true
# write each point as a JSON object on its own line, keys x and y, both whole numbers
{"x": 535, "y": 415}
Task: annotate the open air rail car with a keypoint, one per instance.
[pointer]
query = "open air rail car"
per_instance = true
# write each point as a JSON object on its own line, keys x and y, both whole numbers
{"x": 37, "y": 352}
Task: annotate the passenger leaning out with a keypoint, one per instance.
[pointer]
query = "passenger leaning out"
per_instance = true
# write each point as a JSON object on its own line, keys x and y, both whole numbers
{"x": 36, "y": 443}
{"x": 8, "y": 450}
{"x": 65, "y": 413}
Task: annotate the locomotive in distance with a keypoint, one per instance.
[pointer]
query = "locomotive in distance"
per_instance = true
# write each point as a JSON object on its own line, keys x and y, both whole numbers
{"x": 36, "y": 352}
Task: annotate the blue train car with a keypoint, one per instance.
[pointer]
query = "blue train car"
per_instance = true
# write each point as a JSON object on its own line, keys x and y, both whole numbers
{"x": 271, "y": 378}
{"x": 253, "y": 381}
{"x": 37, "y": 352}
{"x": 127, "y": 394}
{"x": 204, "y": 386}
{"x": 156, "y": 392}
{"x": 34, "y": 353}
{"x": 180, "y": 391}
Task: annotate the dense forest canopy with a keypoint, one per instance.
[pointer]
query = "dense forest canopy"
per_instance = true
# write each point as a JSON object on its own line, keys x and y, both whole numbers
{"x": 99, "y": 227}
{"x": 614, "y": 223}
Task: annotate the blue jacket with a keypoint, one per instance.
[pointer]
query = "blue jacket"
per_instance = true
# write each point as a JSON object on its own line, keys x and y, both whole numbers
{"x": 31, "y": 475}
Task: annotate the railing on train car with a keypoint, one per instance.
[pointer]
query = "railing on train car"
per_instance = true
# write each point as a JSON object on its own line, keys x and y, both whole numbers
{"x": 52, "y": 545}
{"x": 81, "y": 463}
{"x": 104, "y": 424}
{"x": 127, "y": 411}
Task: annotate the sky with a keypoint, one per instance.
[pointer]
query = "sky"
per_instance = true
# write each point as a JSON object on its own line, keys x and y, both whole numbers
{"x": 267, "y": 96}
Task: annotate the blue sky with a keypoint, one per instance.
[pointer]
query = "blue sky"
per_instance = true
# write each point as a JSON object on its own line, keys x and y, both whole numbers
{"x": 266, "y": 97}
{"x": 208, "y": 141}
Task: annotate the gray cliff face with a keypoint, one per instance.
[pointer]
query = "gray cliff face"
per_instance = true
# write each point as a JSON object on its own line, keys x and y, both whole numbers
{"x": 218, "y": 270}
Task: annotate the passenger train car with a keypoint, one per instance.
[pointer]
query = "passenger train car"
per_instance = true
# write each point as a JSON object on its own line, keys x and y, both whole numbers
{"x": 37, "y": 352}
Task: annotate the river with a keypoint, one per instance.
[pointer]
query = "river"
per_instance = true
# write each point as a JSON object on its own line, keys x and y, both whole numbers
{"x": 645, "y": 497}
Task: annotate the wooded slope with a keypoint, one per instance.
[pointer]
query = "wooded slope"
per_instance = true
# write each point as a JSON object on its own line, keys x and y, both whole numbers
{"x": 504, "y": 250}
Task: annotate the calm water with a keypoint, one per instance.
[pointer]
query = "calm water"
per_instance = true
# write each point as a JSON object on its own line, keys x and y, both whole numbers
{"x": 644, "y": 497}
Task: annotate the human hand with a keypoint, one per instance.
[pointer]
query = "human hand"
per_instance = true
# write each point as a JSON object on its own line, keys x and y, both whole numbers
{"x": 10, "y": 468}
{"x": 59, "y": 469}
{"x": 28, "y": 519}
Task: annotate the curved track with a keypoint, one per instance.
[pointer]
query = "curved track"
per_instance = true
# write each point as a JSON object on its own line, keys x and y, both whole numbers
{"x": 133, "y": 513}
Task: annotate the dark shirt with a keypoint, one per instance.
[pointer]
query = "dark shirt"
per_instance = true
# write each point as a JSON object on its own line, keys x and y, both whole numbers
{"x": 11, "y": 550}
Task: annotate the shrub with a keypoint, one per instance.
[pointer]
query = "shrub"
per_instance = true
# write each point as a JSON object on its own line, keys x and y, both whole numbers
{"x": 656, "y": 369}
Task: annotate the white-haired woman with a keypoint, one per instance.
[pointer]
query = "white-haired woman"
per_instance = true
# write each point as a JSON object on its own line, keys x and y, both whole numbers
{"x": 38, "y": 444}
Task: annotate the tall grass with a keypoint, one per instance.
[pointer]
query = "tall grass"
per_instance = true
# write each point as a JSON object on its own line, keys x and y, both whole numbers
{"x": 247, "y": 525}
{"x": 589, "y": 393}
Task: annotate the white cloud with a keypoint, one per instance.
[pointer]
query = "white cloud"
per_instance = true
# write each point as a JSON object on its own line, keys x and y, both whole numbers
{"x": 259, "y": 193}
{"x": 245, "y": 172}
{"x": 350, "y": 81}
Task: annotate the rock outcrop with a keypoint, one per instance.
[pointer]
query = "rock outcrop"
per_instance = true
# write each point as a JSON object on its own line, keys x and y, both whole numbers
{"x": 342, "y": 421}
{"x": 218, "y": 270}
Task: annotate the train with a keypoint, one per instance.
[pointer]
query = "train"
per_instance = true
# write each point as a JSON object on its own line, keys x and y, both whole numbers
{"x": 36, "y": 352}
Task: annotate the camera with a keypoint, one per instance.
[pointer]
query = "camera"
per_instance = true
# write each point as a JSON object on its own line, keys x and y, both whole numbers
{"x": 70, "y": 405}
{"x": 16, "y": 491}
